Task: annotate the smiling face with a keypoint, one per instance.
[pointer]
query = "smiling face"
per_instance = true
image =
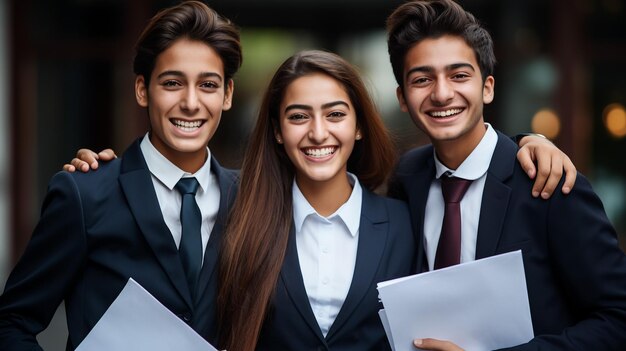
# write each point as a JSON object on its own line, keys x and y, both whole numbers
{"x": 444, "y": 92}
{"x": 318, "y": 127}
{"x": 185, "y": 100}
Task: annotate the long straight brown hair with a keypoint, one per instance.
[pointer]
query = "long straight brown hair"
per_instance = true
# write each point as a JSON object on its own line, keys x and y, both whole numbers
{"x": 256, "y": 237}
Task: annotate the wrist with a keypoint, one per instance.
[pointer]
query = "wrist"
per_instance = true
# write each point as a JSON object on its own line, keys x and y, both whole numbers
{"x": 518, "y": 138}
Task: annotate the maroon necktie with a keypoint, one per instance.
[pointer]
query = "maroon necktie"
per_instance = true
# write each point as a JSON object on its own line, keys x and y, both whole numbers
{"x": 449, "y": 247}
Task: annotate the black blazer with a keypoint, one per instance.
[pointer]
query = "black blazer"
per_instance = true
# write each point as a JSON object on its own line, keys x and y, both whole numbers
{"x": 575, "y": 271}
{"x": 97, "y": 230}
{"x": 386, "y": 250}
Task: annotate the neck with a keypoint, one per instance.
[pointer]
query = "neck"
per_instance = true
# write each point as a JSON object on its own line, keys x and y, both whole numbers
{"x": 189, "y": 162}
{"x": 453, "y": 152}
{"x": 326, "y": 197}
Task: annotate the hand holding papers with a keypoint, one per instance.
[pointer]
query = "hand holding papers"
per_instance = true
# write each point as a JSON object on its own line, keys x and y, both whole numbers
{"x": 137, "y": 321}
{"x": 480, "y": 305}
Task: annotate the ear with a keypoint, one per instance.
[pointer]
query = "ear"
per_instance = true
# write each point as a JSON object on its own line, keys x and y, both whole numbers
{"x": 228, "y": 95}
{"x": 278, "y": 135}
{"x": 488, "y": 90}
{"x": 358, "y": 135}
{"x": 141, "y": 91}
{"x": 400, "y": 96}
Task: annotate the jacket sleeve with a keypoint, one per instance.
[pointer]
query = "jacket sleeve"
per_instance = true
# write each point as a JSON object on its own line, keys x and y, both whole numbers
{"x": 592, "y": 270}
{"x": 44, "y": 275}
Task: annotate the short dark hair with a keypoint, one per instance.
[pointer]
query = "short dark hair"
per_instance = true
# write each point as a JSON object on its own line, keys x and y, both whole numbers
{"x": 417, "y": 20}
{"x": 193, "y": 20}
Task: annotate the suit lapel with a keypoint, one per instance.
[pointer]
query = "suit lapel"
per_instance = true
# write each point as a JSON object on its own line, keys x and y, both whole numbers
{"x": 373, "y": 231}
{"x": 496, "y": 197}
{"x": 291, "y": 276}
{"x": 228, "y": 188}
{"x": 136, "y": 184}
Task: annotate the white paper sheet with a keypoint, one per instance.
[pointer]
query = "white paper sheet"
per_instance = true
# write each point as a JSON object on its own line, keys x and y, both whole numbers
{"x": 137, "y": 321}
{"x": 383, "y": 317}
{"x": 479, "y": 305}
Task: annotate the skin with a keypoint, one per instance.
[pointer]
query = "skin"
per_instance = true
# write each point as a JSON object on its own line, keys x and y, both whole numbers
{"x": 435, "y": 345}
{"x": 444, "y": 94}
{"x": 318, "y": 128}
{"x": 442, "y": 76}
{"x": 551, "y": 162}
{"x": 185, "y": 100}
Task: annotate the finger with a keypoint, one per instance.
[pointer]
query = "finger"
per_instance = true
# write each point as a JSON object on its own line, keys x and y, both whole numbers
{"x": 89, "y": 157}
{"x": 69, "y": 168}
{"x": 524, "y": 156}
{"x": 106, "y": 155}
{"x": 570, "y": 175}
{"x": 80, "y": 165}
{"x": 435, "y": 345}
{"x": 543, "y": 172}
{"x": 556, "y": 172}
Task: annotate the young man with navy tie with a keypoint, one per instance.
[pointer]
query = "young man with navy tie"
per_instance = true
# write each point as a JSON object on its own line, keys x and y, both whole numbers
{"x": 99, "y": 229}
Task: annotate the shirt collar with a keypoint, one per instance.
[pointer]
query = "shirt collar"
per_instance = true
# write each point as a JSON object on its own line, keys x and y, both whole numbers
{"x": 349, "y": 212}
{"x": 477, "y": 163}
{"x": 167, "y": 172}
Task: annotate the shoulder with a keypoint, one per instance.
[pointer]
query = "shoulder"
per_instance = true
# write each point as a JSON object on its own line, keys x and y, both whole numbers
{"x": 107, "y": 172}
{"x": 225, "y": 175}
{"x": 85, "y": 187}
{"x": 232, "y": 175}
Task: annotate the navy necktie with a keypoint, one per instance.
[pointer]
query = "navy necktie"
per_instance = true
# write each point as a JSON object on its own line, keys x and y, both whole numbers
{"x": 190, "y": 249}
{"x": 449, "y": 246}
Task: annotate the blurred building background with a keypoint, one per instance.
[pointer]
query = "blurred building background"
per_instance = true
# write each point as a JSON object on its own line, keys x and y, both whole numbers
{"x": 67, "y": 83}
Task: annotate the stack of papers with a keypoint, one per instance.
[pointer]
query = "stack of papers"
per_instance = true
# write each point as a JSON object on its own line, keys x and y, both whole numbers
{"x": 479, "y": 305}
{"x": 137, "y": 321}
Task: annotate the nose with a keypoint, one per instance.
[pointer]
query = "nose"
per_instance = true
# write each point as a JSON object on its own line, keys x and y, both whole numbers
{"x": 189, "y": 102}
{"x": 318, "y": 132}
{"x": 442, "y": 92}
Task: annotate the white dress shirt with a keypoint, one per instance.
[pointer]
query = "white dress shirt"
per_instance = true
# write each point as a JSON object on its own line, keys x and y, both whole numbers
{"x": 165, "y": 175}
{"x": 473, "y": 168}
{"x": 327, "y": 248}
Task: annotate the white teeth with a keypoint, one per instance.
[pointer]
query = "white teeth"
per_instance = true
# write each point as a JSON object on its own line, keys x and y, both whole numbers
{"x": 187, "y": 126}
{"x": 321, "y": 152}
{"x": 446, "y": 113}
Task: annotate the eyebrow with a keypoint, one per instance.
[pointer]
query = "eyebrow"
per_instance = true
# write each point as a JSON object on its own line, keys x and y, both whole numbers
{"x": 181, "y": 74}
{"x": 431, "y": 69}
{"x": 324, "y": 106}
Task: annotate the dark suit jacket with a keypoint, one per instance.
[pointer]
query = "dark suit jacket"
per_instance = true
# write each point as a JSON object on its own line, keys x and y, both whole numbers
{"x": 386, "y": 250}
{"x": 575, "y": 271}
{"x": 97, "y": 230}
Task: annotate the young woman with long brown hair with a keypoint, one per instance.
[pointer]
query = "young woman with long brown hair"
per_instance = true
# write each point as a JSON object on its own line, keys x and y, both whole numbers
{"x": 307, "y": 239}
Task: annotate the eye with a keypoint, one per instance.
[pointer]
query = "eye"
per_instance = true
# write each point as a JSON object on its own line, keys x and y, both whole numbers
{"x": 297, "y": 117}
{"x": 209, "y": 85}
{"x": 460, "y": 76}
{"x": 170, "y": 83}
{"x": 336, "y": 115}
{"x": 420, "y": 81}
